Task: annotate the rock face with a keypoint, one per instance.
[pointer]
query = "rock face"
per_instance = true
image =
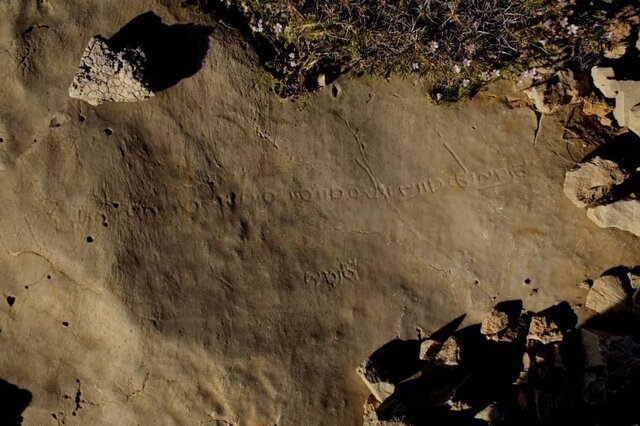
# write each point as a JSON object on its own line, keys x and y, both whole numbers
{"x": 607, "y": 294}
{"x": 593, "y": 182}
{"x": 565, "y": 87}
{"x": 105, "y": 75}
{"x": 624, "y": 214}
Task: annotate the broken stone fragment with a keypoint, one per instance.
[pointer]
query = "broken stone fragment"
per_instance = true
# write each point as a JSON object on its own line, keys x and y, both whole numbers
{"x": 565, "y": 87}
{"x": 607, "y": 294}
{"x": 391, "y": 364}
{"x": 105, "y": 75}
{"x": 494, "y": 322}
{"x": 451, "y": 353}
{"x": 429, "y": 349}
{"x": 593, "y": 182}
{"x": 371, "y": 404}
{"x": 624, "y": 214}
{"x": 626, "y": 94}
{"x": 544, "y": 329}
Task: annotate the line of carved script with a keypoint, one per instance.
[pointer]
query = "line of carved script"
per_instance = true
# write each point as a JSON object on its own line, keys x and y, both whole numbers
{"x": 479, "y": 181}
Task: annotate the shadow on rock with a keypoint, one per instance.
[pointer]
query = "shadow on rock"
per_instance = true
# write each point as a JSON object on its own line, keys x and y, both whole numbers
{"x": 517, "y": 367}
{"x": 174, "y": 52}
{"x": 13, "y": 401}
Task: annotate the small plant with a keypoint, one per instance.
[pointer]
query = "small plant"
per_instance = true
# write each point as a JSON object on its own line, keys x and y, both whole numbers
{"x": 456, "y": 45}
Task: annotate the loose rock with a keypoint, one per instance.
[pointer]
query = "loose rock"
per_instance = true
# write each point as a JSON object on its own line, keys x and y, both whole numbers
{"x": 624, "y": 214}
{"x": 494, "y": 322}
{"x": 105, "y": 75}
{"x": 593, "y": 182}
{"x": 429, "y": 348}
{"x": 607, "y": 295}
{"x": 626, "y": 94}
{"x": 565, "y": 87}
{"x": 544, "y": 329}
{"x": 451, "y": 352}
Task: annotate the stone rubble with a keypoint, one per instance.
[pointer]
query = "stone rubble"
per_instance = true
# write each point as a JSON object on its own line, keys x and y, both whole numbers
{"x": 564, "y": 88}
{"x": 460, "y": 380}
{"x": 607, "y": 294}
{"x": 105, "y": 75}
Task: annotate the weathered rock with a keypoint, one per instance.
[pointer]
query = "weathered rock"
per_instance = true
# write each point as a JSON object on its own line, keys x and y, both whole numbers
{"x": 105, "y": 75}
{"x": 592, "y": 182}
{"x": 565, "y": 87}
{"x": 544, "y": 329}
{"x": 626, "y": 94}
{"x": 598, "y": 107}
{"x": 494, "y": 322}
{"x": 451, "y": 353}
{"x": 622, "y": 214}
{"x": 429, "y": 349}
{"x": 607, "y": 294}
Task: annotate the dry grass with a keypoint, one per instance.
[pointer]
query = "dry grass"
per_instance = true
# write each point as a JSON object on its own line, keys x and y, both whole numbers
{"x": 456, "y": 45}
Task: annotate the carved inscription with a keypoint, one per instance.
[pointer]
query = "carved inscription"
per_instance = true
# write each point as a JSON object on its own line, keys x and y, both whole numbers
{"x": 461, "y": 181}
{"x": 346, "y": 271}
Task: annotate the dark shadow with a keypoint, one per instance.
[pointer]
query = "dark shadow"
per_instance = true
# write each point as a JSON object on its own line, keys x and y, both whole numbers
{"x": 625, "y": 151}
{"x": 13, "y": 402}
{"x": 397, "y": 360}
{"x": 447, "y": 330}
{"x": 587, "y": 377}
{"x": 174, "y": 52}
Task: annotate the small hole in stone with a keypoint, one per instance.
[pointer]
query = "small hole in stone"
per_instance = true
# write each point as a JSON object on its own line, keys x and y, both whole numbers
{"x": 82, "y": 118}
{"x": 48, "y": 277}
{"x": 527, "y": 281}
{"x": 26, "y": 287}
{"x": 108, "y": 131}
{"x": 335, "y": 91}
{"x": 476, "y": 282}
{"x": 65, "y": 323}
{"x": 11, "y": 300}
{"x": 89, "y": 239}
{"x": 116, "y": 205}
{"x": 73, "y": 413}
{"x": 105, "y": 224}
{"x": 1, "y": 140}
{"x": 66, "y": 397}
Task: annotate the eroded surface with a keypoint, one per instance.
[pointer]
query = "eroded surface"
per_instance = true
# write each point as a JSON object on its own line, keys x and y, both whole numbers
{"x": 216, "y": 254}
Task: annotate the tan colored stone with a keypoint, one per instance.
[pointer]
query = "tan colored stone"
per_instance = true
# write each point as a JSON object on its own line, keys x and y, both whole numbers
{"x": 624, "y": 214}
{"x": 592, "y": 182}
{"x": 544, "y": 329}
{"x": 451, "y": 353}
{"x": 494, "y": 322}
{"x": 607, "y": 294}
